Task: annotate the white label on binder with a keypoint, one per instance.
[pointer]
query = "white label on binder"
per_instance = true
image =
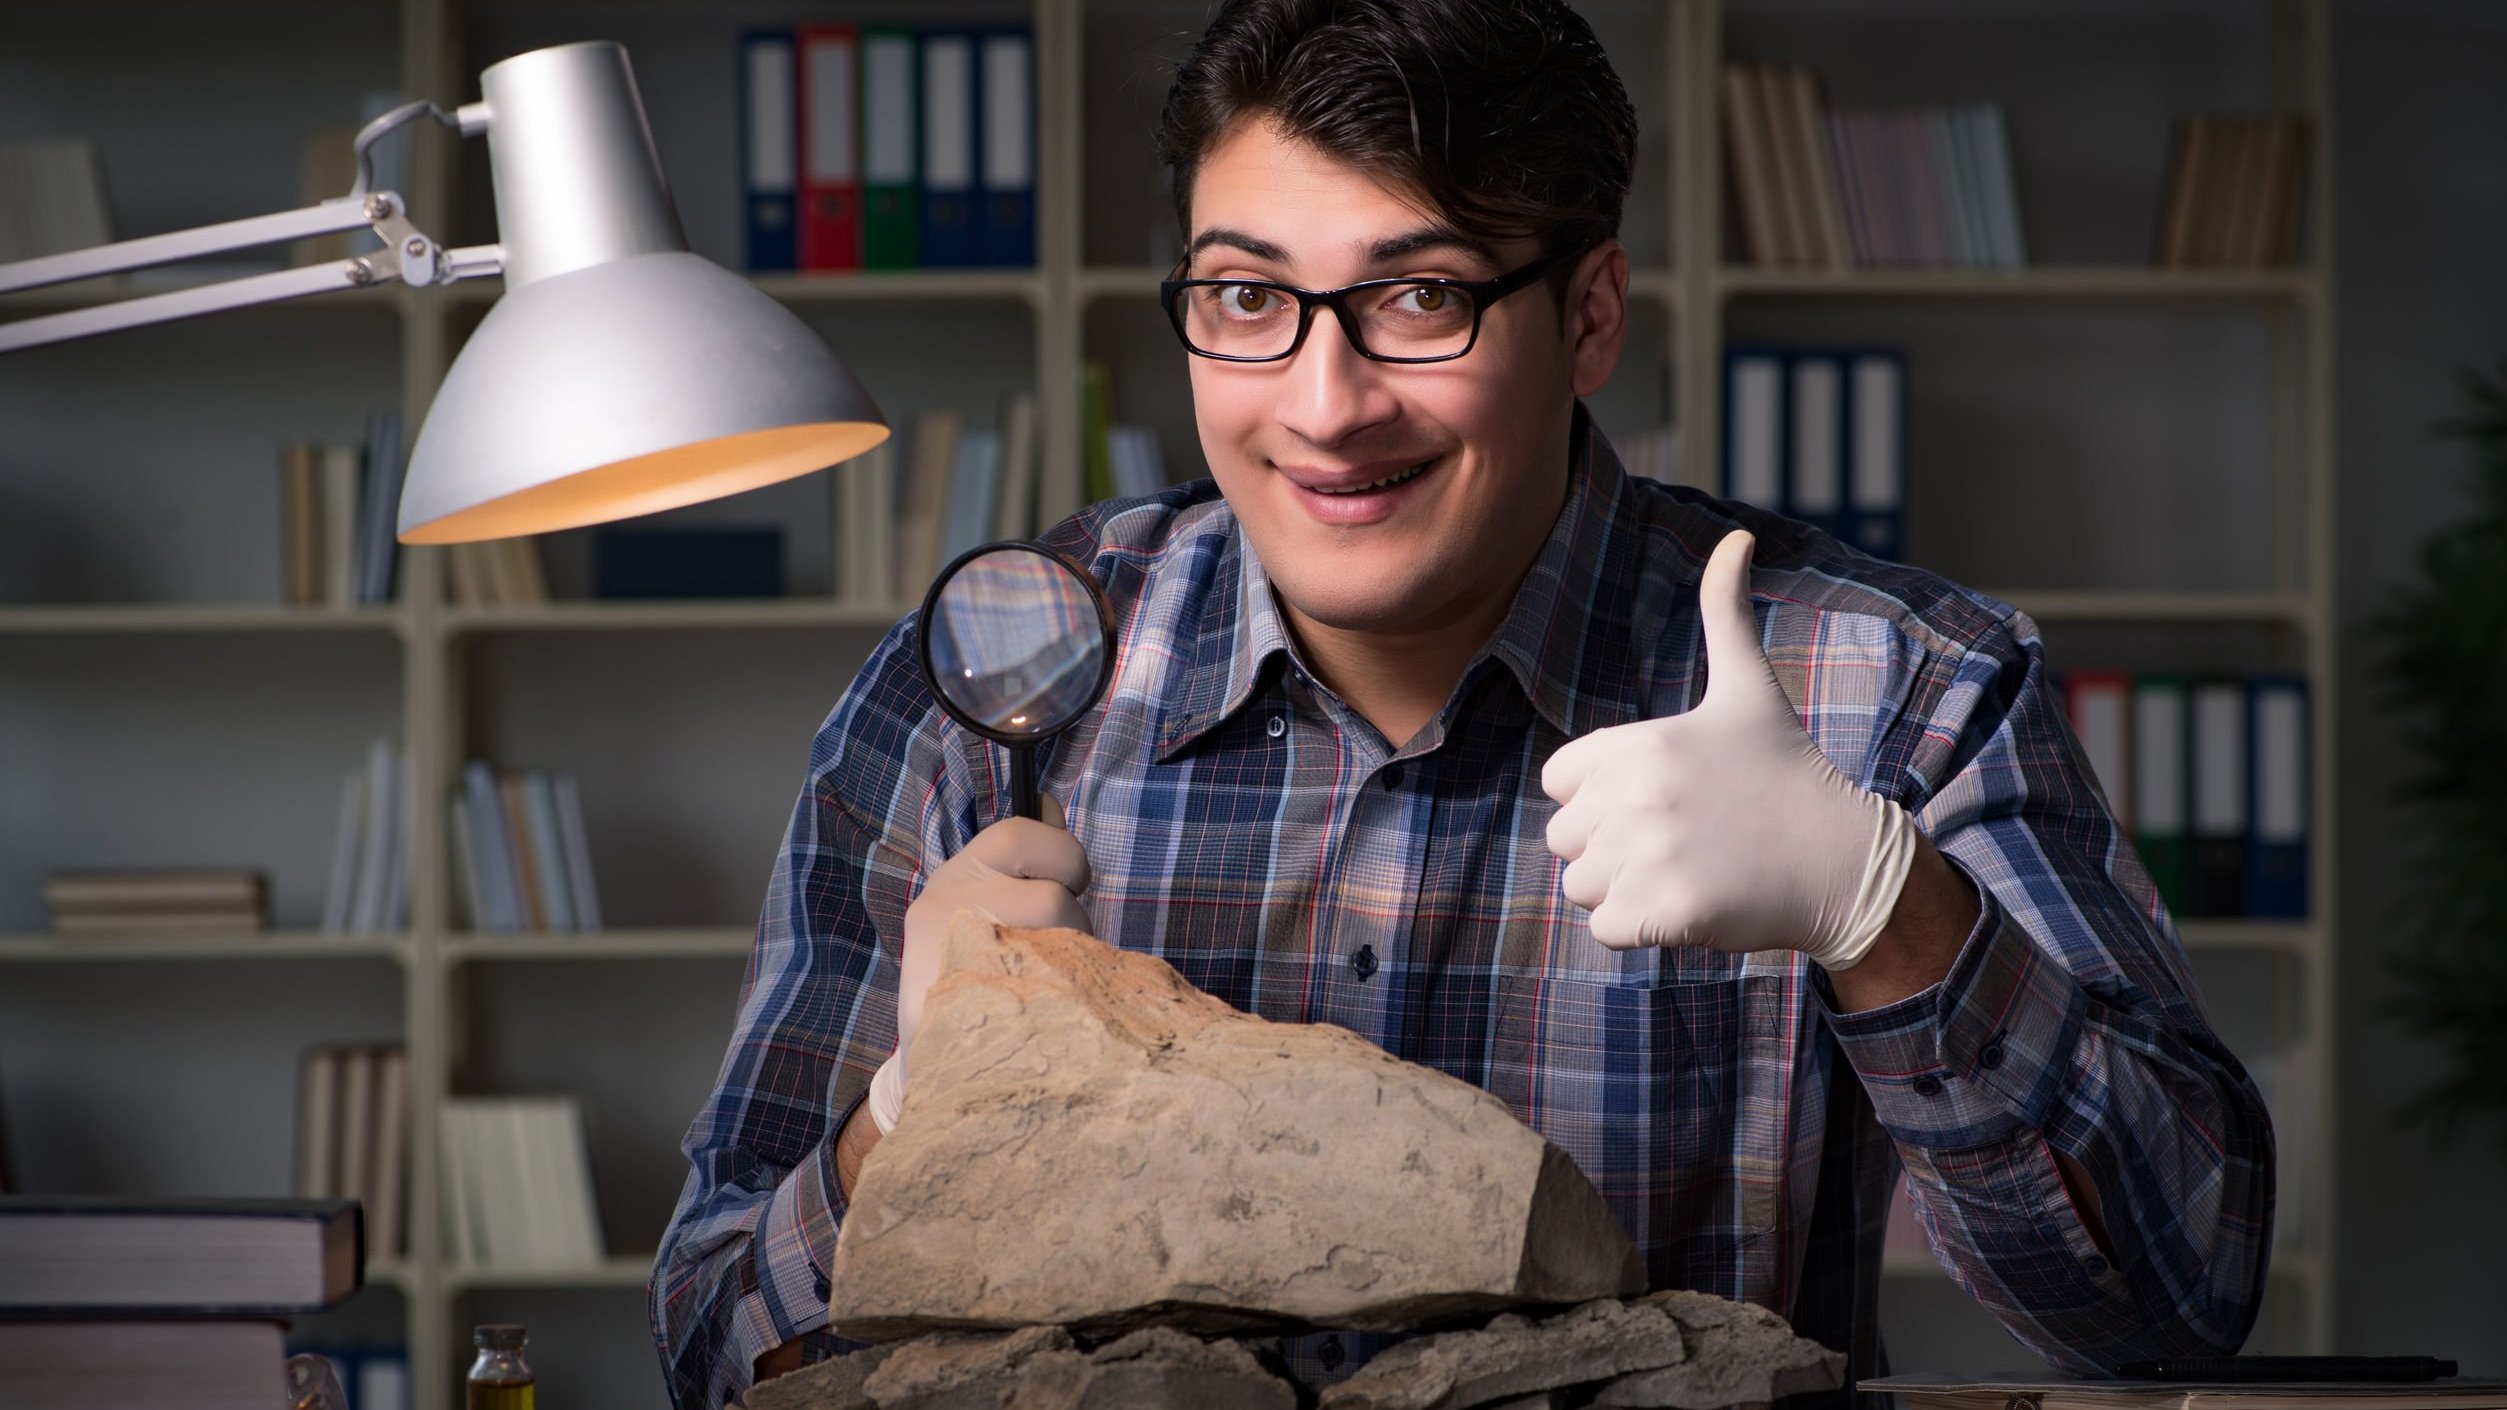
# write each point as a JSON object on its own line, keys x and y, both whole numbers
{"x": 770, "y": 115}
{"x": 1818, "y": 465}
{"x": 1007, "y": 112}
{"x": 948, "y": 123}
{"x": 831, "y": 144}
{"x": 2159, "y": 760}
{"x": 888, "y": 78}
{"x": 2220, "y": 760}
{"x": 2281, "y": 764}
{"x": 1757, "y": 393}
{"x": 1876, "y": 471}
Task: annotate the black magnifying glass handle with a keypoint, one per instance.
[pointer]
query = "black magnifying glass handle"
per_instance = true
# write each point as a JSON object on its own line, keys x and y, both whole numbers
{"x": 1024, "y": 802}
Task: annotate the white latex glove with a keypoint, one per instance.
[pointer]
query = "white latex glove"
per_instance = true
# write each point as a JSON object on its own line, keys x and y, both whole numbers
{"x": 1725, "y": 826}
{"x": 1019, "y": 872}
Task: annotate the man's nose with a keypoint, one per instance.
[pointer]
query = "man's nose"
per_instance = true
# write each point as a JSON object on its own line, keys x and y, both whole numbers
{"x": 1331, "y": 390}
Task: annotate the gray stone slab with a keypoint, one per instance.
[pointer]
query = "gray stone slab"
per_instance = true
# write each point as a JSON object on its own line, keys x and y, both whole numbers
{"x": 832, "y": 1384}
{"x": 1739, "y": 1354}
{"x": 962, "y": 1370}
{"x": 1090, "y": 1141}
{"x": 1512, "y": 1357}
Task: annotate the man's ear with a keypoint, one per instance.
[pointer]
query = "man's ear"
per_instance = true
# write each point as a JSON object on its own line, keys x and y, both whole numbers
{"x": 1596, "y": 312}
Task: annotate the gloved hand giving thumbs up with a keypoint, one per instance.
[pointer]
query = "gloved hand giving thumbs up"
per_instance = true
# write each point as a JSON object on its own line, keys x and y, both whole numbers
{"x": 1726, "y": 826}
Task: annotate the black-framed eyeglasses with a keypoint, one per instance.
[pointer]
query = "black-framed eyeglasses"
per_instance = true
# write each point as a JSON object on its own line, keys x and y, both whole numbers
{"x": 1388, "y": 320}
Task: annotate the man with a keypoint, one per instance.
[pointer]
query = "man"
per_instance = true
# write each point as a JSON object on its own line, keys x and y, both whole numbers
{"x": 1743, "y": 867}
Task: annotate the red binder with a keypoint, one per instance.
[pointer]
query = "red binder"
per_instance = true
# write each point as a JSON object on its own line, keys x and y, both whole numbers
{"x": 831, "y": 147}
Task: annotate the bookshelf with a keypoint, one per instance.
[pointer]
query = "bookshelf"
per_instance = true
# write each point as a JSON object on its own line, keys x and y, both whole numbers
{"x": 688, "y": 723}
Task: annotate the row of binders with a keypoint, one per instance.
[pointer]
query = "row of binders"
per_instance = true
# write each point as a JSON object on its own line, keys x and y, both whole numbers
{"x": 2233, "y": 188}
{"x": 518, "y": 1184}
{"x": 1819, "y": 435}
{"x": 352, "y": 1136}
{"x": 2212, "y": 777}
{"x": 521, "y": 858}
{"x": 1819, "y": 186}
{"x": 876, "y": 147}
{"x": 338, "y": 512}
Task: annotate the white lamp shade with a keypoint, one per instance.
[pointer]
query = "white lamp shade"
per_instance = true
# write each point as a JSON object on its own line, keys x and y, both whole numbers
{"x": 626, "y": 388}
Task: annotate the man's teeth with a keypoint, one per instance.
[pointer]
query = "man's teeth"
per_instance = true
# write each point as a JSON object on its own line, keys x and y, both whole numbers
{"x": 1410, "y": 474}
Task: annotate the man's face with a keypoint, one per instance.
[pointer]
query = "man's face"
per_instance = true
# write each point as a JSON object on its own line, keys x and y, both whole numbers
{"x": 1476, "y": 447}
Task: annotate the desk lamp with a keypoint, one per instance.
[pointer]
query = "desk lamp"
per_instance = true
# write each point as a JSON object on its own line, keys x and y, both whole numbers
{"x": 619, "y": 374}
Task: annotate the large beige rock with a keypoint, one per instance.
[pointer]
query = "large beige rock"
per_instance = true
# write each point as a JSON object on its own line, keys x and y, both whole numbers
{"x": 1089, "y": 1140}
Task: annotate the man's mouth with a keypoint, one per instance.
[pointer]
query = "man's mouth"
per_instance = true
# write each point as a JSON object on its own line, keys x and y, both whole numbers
{"x": 1398, "y": 477}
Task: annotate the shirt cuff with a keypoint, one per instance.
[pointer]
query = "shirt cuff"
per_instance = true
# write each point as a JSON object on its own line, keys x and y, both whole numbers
{"x": 790, "y": 1254}
{"x": 1978, "y": 1057}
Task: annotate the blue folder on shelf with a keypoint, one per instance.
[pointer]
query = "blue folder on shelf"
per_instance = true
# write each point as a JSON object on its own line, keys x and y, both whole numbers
{"x": 2276, "y": 862}
{"x": 769, "y": 165}
{"x": 951, "y": 113}
{"x": 1005, "y": 220}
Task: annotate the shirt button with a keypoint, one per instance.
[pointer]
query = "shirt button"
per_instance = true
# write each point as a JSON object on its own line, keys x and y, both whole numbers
{"x": 1991, "y": 1057}
{"x": 1330, "y": 1354}
{"x": 2094, "y": 1266}
{"x": 1928, "y": 1086}
{"x": 1362, "y": 963}
{"x": 1392, "y": 776}
{"x": 1275, "y": 727}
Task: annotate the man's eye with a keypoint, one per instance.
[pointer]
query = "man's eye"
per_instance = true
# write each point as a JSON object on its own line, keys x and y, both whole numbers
{"x": 1245, "y": 298}
{"x": 1428, "y": 298}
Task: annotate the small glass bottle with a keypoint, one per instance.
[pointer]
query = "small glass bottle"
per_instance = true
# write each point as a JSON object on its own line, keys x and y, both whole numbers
{"x": 499, "y": 1380}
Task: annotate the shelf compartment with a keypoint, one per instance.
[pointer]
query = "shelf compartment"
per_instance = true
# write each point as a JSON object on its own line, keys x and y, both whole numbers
{"x": 166, "y": 618}
{"x": 2298, "y": 285}
{"x": 618, "y": 1271}
{"x": 598, "y": 945}
{"x": 209, "y": 945}
{"x": 650, "y": 616}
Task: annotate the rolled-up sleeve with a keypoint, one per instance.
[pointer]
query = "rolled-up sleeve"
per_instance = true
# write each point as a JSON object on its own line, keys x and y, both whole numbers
{"x": 743, "y": 1266}
{"x": 2069, "y": 1023}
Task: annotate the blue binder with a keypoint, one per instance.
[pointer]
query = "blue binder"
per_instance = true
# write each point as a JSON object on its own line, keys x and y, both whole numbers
{"x": 1005, "y": 222}
{"x": 769, "y": 161}
{"x": 952, "y": 117}
{"x": 2281, "y": 808}
{"x": 1754, "y": 449}
{"x": 1875, "y": 459}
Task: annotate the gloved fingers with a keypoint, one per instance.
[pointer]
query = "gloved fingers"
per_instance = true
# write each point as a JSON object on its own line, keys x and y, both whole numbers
{"x": 1041, "y": 904}
{"x": 1586, "y": 881}
{"x": 1570, "y": 831}
{"x": 1622, "y": 925}
{"x": 1033, "y": 850}
{"x": 1563, "y": 776}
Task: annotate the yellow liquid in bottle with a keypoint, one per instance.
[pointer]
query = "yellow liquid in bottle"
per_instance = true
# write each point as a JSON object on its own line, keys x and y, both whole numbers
{"x": 499, "y": 1395}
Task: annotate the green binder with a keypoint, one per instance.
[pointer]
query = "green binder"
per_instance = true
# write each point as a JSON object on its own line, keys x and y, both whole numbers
{"x": 2163, "y": 786}
{"x": 892, "y": 137}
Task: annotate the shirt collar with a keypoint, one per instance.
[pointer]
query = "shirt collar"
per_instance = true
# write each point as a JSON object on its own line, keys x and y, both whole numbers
{"x": 1566, "y": 640}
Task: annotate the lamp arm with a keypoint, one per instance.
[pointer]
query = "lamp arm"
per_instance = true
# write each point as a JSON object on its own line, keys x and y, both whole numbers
{"x": 408, "y": 256}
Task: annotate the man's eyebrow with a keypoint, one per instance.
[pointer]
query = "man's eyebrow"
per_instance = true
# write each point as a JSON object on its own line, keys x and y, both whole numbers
{"x": 1431, "y": 237}
{"x": 1253, "y": 245}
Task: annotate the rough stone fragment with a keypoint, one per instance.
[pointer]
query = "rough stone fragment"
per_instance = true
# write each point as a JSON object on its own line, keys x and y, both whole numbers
{"x": 1157, "y": 1368}
{"x": 832, "y": 1384}
{"x": 1739, "y": 1354}
{"x": 962, "y": 1371}
{"x": 1088, "y": 1140}
{"x": 1513, "y": 1357}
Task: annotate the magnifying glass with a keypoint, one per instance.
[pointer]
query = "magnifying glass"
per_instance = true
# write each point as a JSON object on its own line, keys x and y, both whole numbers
{"x": 1018, "y": 645}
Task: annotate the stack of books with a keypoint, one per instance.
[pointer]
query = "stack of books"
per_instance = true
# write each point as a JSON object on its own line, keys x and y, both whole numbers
{"x": 369, "y": 886}
{"x": 56, "y": 197}
{"x": 521, "y": 859}
{"x": 352, "y": 1136}
{"x": 111, "y": 1304}
{"x": 497, "y": 573}
{"x": 1821, "y": 187}
{"x": 338, "y": 509}
{"x": 2233, "y": 188}
{"x": 518, "y": 1184}
{"x": 157, "y": 902}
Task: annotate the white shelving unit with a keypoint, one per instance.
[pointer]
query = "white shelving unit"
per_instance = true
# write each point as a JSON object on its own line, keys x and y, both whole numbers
{"x": 642, "y": 699}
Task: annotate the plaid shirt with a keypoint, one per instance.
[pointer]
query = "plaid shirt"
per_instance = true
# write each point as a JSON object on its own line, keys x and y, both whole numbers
{"x": 1247, "y": 826}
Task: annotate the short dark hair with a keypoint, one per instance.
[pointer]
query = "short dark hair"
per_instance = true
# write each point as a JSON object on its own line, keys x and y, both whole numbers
{"x": 1505, "y": 115}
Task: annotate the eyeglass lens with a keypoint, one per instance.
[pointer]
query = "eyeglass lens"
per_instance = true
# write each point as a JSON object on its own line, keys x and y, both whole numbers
{"x": 1399, "y": 319}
